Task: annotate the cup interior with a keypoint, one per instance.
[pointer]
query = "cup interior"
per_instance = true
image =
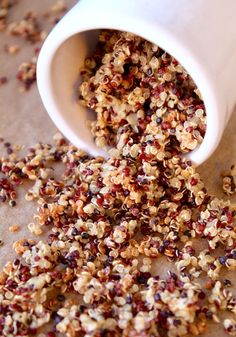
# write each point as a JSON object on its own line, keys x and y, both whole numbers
{"x": 65, "y": 81}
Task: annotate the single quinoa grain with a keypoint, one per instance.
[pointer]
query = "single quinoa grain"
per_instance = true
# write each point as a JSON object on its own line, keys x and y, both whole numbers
{"x": 14, "y": 228}
{"x": 3, "y": 80}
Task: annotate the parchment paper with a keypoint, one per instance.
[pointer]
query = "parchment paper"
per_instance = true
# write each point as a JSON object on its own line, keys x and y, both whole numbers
{"x": 23, "y": 120}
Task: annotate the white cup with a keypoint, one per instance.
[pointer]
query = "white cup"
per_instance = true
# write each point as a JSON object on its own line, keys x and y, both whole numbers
{"x": 200, "y": 34}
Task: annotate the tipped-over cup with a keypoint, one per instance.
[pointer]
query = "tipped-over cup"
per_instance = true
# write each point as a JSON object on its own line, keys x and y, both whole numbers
{"x": 200, "y": 34}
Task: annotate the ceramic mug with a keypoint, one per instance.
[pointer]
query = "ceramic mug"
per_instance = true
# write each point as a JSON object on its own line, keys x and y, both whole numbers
{"x": 200, "y": 34}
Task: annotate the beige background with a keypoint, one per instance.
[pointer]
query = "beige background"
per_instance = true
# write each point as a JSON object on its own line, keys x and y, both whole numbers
{"x": 23, "y": 120}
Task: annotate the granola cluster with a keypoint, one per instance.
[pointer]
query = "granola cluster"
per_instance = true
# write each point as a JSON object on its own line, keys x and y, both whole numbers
{"x": 110, "y": 221}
